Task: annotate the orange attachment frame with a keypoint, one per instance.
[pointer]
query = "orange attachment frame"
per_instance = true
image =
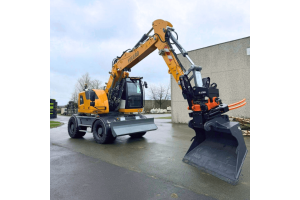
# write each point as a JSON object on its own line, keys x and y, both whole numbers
{"x": 196, "y": 107}
{"x": 210, "y": 105}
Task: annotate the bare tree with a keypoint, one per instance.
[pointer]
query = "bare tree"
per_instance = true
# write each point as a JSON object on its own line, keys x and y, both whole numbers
{"x": 84, "y": 79}
{"x": 74, "y": 96}
{"x": 96, "y": 84}
{"x": 160, "y": 94}
{"x": 80, "y": 85}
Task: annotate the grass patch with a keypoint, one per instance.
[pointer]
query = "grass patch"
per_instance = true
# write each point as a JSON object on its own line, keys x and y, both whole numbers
{"x": 164, "y": 117}
{"x": 54, "y": 124}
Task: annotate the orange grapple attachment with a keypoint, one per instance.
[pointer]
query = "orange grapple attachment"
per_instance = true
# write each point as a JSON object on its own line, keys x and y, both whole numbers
{"x": 212, "y": 104}
{"x": 209, "y": 104}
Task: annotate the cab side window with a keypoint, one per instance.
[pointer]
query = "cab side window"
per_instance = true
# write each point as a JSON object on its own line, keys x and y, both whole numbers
{"x": 81, "y": 100}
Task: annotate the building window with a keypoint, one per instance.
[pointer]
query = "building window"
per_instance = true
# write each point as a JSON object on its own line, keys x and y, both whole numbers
{"x": 248, "y": 51}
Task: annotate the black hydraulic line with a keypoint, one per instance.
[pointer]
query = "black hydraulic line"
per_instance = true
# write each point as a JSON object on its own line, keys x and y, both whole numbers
{"x": 122, "y": 87}
{"x": 149, "y": 31}
{"x": 114, "y": 61}
{"x": 110, "y": 89}
{"x": 164, "y": 41}
{"x": 144, "y": 37}
{"x": 159, "y": 38}
{"x": 117, "y": 58}
{"x": 124, "y": 52}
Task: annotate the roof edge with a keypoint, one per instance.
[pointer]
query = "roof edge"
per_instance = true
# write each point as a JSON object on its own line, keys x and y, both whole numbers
{"x": 216, "y": 44}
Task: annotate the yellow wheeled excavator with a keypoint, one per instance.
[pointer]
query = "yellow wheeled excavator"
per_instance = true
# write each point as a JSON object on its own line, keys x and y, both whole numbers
{"x": 218, "y": 146}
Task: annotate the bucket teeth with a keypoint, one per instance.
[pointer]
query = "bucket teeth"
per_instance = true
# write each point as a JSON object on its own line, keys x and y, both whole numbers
{"x": 220, "y": 151}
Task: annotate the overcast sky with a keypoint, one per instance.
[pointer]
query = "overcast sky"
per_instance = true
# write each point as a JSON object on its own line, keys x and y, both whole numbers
{"x": 85, "y": 36}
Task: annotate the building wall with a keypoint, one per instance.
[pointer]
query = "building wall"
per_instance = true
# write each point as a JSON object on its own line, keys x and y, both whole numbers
{"x": 228, "y": 65}
{"x": 149, "y": 104}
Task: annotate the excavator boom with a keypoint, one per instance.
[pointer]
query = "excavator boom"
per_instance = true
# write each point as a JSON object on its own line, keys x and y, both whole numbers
{"x": 146, "y": 45}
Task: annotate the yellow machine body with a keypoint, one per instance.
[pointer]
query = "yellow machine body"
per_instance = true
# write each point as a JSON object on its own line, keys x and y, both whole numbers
{"x": 101, "y": 103}
{"x": 131, "y": 110}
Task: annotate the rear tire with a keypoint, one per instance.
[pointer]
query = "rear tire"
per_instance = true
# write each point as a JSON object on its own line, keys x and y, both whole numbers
{"x": 73, "y": 129}
{"x": 138, "y": 135}
{"x": 101, "y": 134}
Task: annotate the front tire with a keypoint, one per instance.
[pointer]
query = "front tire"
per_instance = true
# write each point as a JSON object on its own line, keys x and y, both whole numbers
{"x": 101, "y": 133}
{"x": 73, "y": 129}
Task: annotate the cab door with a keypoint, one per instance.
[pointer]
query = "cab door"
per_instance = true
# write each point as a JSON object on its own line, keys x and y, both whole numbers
{"x": 81, "y": 102}
{"x": 134, "y": 91}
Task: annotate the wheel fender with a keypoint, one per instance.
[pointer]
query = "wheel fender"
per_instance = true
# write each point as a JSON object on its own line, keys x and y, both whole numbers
{"x": 92, "y": 127}
{"x": 76, "y": 119}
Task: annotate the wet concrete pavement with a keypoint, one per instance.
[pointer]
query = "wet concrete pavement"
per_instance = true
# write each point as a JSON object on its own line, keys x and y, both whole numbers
{"x": 157, "y": 157}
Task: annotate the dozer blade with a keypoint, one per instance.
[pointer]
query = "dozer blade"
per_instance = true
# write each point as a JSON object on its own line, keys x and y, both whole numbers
{"x": 218, "y": 149}
{"x": 128, "y": 127}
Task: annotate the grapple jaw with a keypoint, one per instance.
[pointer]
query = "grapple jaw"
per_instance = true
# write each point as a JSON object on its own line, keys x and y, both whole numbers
{"x": 218, "y": 149}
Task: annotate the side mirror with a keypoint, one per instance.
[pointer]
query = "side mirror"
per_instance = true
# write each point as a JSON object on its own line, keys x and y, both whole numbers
{"x": 92, "y": 95}
{"x": 146, "y": 85}
{"x": 92, "y": 103}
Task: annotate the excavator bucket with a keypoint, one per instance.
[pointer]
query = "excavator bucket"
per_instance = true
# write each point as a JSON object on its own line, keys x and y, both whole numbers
{"x": 128, "y": 127}
{"x": 218, "y": 149}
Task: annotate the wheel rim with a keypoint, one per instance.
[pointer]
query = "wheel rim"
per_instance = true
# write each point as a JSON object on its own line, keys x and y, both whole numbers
{"x": 100, "y": 132}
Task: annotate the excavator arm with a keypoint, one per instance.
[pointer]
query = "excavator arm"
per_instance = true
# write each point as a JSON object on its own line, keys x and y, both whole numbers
{"x": 146, "y": 45}
{"x": 218, "y": 147}
{"x": 161, "y": 40}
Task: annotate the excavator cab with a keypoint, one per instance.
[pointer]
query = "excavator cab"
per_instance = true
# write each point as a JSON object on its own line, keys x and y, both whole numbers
{"x": 133, "y": 93}
{"x": 132, "y": 99}
{"x": 132, "y": 102}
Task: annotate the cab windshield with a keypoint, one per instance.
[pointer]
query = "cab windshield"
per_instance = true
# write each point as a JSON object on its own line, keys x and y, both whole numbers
{"x": 134, "y": 92}
{"x": 134, "y": 89}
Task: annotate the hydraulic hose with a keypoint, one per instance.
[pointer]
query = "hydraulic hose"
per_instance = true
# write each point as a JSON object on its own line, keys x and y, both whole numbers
{"x": 232, "y": 108}
{"x": 237, "y": 103}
